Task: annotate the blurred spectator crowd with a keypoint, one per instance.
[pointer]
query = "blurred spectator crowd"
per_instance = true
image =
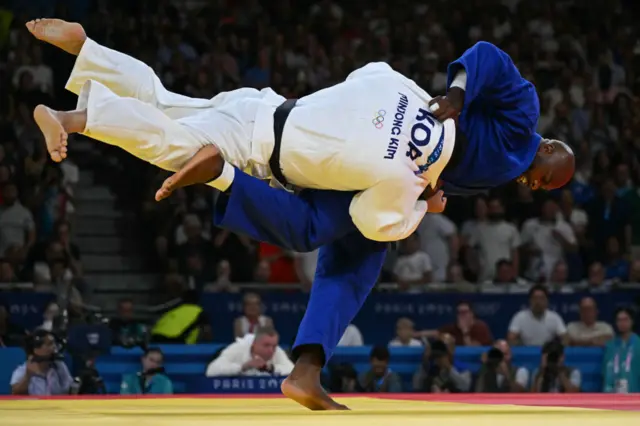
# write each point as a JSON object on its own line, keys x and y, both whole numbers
{"x": 582, "y": 58}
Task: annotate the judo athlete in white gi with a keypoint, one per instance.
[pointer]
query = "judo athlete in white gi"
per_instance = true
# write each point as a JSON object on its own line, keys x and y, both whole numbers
{"x": 350, "y": 137}
{"x": 498, "y": 113}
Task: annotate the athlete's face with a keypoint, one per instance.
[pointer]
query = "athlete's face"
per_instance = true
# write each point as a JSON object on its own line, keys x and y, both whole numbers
{"x": 552, "y": 167}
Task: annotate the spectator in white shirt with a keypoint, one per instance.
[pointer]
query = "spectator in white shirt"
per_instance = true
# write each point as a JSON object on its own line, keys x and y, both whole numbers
{"x": 439, "y": 239}
{"x": 413, "y": 269}
{"x": 537, "y": 325}
{"x": 253, "y": 355}
{"x": 548, "y": 239}
{"x": 573, "y": 215}
{"x": 404, "y": 334}
{"x": 494, "y": 240}
{"x": 589, "y": 331}
{"x": 351, "y": 337}
{"x": 481, "y": 218}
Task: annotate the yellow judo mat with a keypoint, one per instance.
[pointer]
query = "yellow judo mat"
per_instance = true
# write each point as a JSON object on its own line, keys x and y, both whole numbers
{"x": 276, "y": 411}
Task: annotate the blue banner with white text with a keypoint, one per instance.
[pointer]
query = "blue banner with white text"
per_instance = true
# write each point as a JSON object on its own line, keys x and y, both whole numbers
{"x": 25, "y": 309}
{"x": 376, "y": 320}
{"x": 379, "y": 314}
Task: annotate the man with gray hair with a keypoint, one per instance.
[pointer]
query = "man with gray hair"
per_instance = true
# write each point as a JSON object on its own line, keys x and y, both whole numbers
{"x": 254, "y": 355}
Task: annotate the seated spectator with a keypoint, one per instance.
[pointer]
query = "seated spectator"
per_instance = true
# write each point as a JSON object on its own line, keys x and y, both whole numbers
{"x": 548, "y": 236}
{"x": 506, "y": 275}
{"x": 498, "y": 374}
{"x": 253, "y": 355}
{"x": 494, "y": 240}
{"x": 7, "y": 273}
{"x": 43, "y": 256}
{"x": 468, "y": 330}
{"x": 186, "y": 323}
{"x": 252, "y": 318}
{"x": 419, "y": 377}
{"x": 41, "y": 375}
{"x": 413, "y": 270}
{"x": 537, "y": 325}
{"x": 17, "y": 227}
{"x": 617, "y": 267}
{"x": 596, "y": 281}
{"x": 634, "y": 272}
{"x": 125, "y": 331}
{"x": 438, "y": 374}
{"x": 67, "y": 294}
{"x": 223, "y": 279}
{"x": 455, "y": 275}
{"x": 351, "y": 337}
{"x": 262, "y": 272}
{"x": 10, "y": 334}
{"x": 404, "y": 334}
{"x": 152, "y": 380}
{"x": 379, "y": 378}
{"x": 553, "y": 376}
{"x": 588, "y": 331}
{"x": 622, "y": 357}
{"x": 343, "y": 378}
{"x": 559, "y": 275}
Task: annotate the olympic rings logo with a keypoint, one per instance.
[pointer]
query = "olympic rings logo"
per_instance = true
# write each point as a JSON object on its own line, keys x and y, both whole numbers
{"x": 378, "y": 119}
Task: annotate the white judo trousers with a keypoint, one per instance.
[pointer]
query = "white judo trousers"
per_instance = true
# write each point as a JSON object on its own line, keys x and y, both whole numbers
{"x": 127, "y": 106}
{"x": 371, "y": 133}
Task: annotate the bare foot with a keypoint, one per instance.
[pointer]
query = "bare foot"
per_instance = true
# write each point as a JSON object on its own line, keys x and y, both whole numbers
{"x": 310, "y": 394}
{"x": 68, "y": 36}
{"x": 203, "y": 167}
{"x": 53, "y": 130}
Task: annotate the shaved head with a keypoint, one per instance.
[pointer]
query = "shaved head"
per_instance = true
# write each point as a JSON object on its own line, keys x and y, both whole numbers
{"x": 552, "y": 167}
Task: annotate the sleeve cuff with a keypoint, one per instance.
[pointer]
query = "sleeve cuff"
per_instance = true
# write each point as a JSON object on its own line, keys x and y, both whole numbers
{"x": 460, "y": 80}
{"x": 224, "y": 181}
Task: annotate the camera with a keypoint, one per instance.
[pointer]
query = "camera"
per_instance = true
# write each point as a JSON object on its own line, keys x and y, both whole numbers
{"x": 439, "y": 350}
{"x": 88, "y": 381}
{"x": 554, "y": 352}
{"x": 494, "y": 358}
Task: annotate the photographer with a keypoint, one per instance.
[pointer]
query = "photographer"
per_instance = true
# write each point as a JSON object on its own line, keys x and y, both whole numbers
{"x": 553, "y": 376}
{"x": 380, "y": 378}
{"x": 498, "y": 375}
{"x": 151, "y": 380}
{"x": 438, "y": 374}
{"x": 44, "y": 373}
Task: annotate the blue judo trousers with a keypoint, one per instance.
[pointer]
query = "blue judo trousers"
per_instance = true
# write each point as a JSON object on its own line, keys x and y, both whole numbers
{"x": 348, "y": 263}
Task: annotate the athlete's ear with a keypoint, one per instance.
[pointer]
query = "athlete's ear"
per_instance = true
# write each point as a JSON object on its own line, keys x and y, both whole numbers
{"x": 428, "y": 193}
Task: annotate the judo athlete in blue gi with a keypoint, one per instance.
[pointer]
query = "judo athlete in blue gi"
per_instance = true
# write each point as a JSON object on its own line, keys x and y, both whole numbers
{"x": 497, "y": 113}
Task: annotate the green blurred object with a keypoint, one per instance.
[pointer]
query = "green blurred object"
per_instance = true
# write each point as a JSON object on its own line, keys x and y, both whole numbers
{"x": 6, "y": 18}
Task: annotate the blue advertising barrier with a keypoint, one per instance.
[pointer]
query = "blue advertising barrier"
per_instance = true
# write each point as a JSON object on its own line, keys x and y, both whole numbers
{"x": 376, "y": 320}
{"x": 186, "y": 365}
{"x": 25, "y": 309}
{"x": 379, "y": 314}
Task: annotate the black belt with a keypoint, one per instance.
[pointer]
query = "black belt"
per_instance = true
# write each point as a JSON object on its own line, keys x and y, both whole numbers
{"x": 279, "y": 119}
